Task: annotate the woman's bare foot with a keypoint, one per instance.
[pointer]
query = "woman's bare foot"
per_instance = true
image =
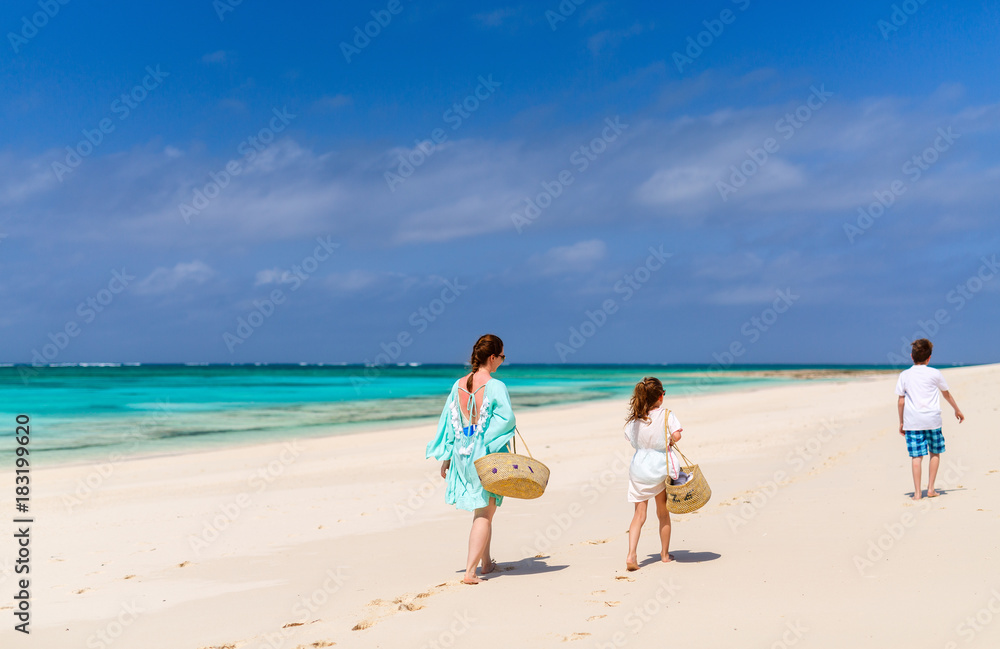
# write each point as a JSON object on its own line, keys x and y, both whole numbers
{"x": 915, "y": 497}
{"x": 932, "y": 494}
{"x": 668, "y": 559}
{"x": 488, "y": 568}
{"x": 631, "y": 564}
{"x": 472, "y": 580}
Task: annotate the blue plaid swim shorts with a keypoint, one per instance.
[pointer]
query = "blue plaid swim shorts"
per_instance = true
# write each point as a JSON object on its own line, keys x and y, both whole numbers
{"x": 917, "y": 442}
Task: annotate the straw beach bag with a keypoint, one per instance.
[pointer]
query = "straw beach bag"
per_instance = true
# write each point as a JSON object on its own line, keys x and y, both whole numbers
{"x": 513, "y": 475}
{"x": 693, "y": 494}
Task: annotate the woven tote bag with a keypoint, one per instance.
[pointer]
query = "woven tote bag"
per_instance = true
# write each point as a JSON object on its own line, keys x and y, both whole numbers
{"x": 513, "y": 475}
{"x": 693, "y": 494}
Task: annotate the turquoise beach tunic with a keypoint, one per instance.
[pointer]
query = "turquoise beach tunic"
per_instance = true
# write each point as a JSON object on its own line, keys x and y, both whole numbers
{"x": 463, "y": 445}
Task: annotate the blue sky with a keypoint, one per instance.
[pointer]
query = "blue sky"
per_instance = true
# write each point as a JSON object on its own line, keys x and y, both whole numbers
{"x": 144, "y": 248}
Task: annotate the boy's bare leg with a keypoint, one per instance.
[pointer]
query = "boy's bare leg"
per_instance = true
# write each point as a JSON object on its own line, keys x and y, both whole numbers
{"x": 638, "y": 519}
{"x": 664, "y": 515}
{"x": 482, "y": 529}
{"x": 916, "y": 462}
{"x": 932, "y": 469}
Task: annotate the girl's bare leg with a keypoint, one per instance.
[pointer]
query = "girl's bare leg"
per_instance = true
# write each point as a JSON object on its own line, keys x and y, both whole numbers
{"x": 638, "y": 519}
{"x": 482, "y": 528}
{"x": 664, "y": 515}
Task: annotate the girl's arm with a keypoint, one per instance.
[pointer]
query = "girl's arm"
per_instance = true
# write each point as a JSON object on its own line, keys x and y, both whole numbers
{"x": 676, "y": 428}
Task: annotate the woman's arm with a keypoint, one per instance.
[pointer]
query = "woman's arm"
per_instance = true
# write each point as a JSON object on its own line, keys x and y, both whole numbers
{"x": 440, "y": 448}
{"x": 500, "y": 427}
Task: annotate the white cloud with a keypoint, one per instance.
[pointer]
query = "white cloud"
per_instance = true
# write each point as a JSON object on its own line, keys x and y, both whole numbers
{"x": 578, "y": 257}
{"x": 273, "y": 276}
{"x": 167, "y": 280}
{"x": 219, "y": 57}
{"x": 611, "y": 38}
{"x": 678, "y": 184}
{"x": 23, "y": 180}
{"x": 332, "y": 102}
{"x": 495, "y": 18}
{"x": 659, "y": 168}
{"x": 234, "y": 105}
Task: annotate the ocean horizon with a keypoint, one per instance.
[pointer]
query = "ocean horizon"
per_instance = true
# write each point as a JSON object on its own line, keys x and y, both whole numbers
{"x": 84, "y": 411}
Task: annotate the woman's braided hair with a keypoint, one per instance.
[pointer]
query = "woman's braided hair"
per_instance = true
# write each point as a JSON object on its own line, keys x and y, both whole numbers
{"x": 487, "y": 345}
{"x": 646, "y": 392}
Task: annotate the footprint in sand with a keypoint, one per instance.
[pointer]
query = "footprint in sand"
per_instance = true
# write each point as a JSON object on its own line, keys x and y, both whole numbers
{"x": 407, "y": 603}
{"x": 380, "y": 609}
{"x": 81, "y": 591}
{"x": 612, "y": 604}
{"x": 320, "y": 643}
{"x": 574, "y": 636}
{"x": 409, "y": 606}
{"x": 624, "y": 578}
{"x": 183, "y": 563}
{"x": 129, "y": 577}
{"x": 600, "y": 541}
{"x": 595, "y": 617}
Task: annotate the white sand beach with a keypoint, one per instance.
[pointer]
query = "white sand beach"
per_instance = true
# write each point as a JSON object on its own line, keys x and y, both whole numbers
{"x": 810, "y": 538}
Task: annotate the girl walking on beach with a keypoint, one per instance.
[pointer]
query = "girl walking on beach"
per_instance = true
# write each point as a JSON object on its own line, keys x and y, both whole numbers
{"x": 477, "y": 419}
{"x": 650, "y": 467}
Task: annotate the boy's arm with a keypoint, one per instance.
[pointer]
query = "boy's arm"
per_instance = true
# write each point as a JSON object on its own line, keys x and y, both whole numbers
{"x": 901, "y": 403}
{"x": 950, "y": 399}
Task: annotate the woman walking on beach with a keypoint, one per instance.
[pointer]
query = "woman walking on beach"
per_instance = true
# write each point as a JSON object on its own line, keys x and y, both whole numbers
{"x": 477, "y": 419}
{"x": 650, "y": 467}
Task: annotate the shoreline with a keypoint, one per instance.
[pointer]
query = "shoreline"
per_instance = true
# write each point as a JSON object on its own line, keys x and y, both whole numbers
{"x": 98, "y": 457}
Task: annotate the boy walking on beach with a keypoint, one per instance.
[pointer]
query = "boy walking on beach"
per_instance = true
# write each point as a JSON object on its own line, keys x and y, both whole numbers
{"x": 920, "y": 413}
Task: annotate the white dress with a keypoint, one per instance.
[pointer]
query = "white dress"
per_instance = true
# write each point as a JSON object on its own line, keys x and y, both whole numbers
{"x": 647, "y": 473}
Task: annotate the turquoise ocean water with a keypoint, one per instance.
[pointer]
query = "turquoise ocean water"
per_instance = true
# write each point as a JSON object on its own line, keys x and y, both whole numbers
{"x": 83, "y": 413}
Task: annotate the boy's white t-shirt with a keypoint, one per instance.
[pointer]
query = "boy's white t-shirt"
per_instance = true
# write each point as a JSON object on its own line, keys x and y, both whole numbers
{"x": 920, "y": 385}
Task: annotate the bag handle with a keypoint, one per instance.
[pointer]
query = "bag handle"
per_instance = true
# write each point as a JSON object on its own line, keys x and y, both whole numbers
{"x": 687, "y": 462}
{"x": 513, "y": 443}
{"x": 670, "y": 443}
